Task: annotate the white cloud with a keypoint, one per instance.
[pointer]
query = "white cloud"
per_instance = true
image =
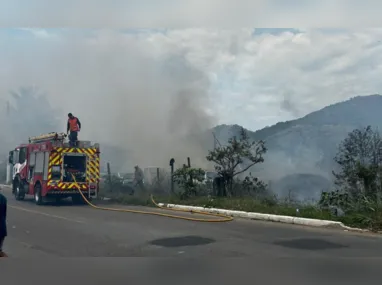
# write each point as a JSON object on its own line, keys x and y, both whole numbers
{"x": 134, "y": 79}
{"x": 190, "y": 13}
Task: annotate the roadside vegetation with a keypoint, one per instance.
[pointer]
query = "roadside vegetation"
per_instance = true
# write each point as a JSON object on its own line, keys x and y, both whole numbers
{"x": 355, "y": 200}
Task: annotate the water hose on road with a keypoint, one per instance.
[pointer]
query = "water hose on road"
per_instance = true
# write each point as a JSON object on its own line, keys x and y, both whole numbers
{"x": 222, "y": 218}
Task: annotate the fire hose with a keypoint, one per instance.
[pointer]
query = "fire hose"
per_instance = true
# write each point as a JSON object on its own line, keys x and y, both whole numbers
{"x": 222, "y": 218}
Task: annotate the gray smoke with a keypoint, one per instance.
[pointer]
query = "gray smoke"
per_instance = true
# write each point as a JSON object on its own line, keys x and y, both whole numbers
{"x": 146, "y": 103}
{"x": 26, "y": 112}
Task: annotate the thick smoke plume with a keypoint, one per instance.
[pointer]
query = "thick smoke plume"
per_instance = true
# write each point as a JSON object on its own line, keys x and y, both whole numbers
{"x": 147, "y": 103}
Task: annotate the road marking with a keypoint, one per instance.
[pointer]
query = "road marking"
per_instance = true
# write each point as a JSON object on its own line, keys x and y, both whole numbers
{"x": 45, "y": 214}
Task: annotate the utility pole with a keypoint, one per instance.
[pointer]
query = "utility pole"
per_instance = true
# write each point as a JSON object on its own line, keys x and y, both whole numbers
{"x": 216, "y": 141}
{"x": 172, "y": 161}
{"x": 9, "y": 166}
{"x": 109, "y": 177}
{"x": 9, "y": 170}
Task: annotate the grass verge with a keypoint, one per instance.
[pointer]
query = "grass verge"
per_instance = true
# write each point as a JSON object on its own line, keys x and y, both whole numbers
{"x": 371, "y": 221}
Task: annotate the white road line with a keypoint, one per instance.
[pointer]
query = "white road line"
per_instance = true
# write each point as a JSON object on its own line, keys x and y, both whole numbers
{"x": 45, "y": 214}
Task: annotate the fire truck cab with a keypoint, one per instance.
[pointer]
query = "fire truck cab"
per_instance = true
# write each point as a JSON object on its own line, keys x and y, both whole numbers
{"x": 45, "y": 167}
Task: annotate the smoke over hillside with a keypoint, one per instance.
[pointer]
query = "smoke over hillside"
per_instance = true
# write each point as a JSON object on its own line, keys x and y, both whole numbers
{"x": 300, "y": 152}
{"x": 144, "y": 101}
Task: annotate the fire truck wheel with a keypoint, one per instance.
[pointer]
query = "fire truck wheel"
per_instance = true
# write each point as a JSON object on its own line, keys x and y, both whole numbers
{"x": 19, "y": 190}
{"x": 37, "y": 194}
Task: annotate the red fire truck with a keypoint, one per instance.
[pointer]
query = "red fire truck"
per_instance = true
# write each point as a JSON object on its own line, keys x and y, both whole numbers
{"x": 46, "y": 165}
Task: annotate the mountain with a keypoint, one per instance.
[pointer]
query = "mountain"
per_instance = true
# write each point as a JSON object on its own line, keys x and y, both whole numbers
{"x": 307, "y": 145}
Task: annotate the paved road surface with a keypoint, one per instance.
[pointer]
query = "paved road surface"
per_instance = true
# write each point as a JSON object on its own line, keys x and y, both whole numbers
{"x": 282, "y": 252}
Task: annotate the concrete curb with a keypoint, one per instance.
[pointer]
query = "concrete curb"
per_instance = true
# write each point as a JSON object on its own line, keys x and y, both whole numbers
{"x": 267, "y": 217}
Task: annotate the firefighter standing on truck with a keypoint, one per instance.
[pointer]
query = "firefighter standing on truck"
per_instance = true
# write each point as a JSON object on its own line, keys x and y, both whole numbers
{"x": 74, "y": 126}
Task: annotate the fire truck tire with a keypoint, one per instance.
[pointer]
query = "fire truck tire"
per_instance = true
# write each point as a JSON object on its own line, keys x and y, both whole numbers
{"x": 18, "y": 189}
{"x": 38, "y": 199}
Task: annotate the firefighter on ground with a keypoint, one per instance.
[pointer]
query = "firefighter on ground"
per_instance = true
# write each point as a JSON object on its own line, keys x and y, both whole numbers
{"x": 3, "y": 223}
{"x": 74, "y": 126}
{"x": 138, "y": 177}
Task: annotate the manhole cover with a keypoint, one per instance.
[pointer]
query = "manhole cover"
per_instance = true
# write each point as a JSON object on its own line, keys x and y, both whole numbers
{"x": 182, "y": 241}
{"x": 309, "y": 244}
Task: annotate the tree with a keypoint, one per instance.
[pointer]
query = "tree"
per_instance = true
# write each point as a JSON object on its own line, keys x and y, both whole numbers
{"x": 359, "y": 175}
{"x": 239, "y": 155}
{"x": 188, "y": 179}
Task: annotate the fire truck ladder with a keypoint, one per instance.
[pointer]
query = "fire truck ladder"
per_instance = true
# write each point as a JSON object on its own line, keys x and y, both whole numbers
{"x": 48, "y": 137}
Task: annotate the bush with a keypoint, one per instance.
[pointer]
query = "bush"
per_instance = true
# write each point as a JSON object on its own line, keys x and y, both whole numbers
{"x": 189, "y": 180}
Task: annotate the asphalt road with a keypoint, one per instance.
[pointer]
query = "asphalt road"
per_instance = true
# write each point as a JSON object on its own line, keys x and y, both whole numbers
{"x": 274, "y": 253}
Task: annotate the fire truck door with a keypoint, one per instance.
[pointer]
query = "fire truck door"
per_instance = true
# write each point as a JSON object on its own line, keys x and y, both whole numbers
{"x": 32, "y": 163}
{"x": 46, "y": 165}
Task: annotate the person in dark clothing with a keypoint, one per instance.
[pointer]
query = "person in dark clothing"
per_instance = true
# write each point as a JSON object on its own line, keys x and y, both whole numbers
{"x": 138, "y": 177}
{"x": 73, "y": 127}
{"x": 3, "y": 223}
